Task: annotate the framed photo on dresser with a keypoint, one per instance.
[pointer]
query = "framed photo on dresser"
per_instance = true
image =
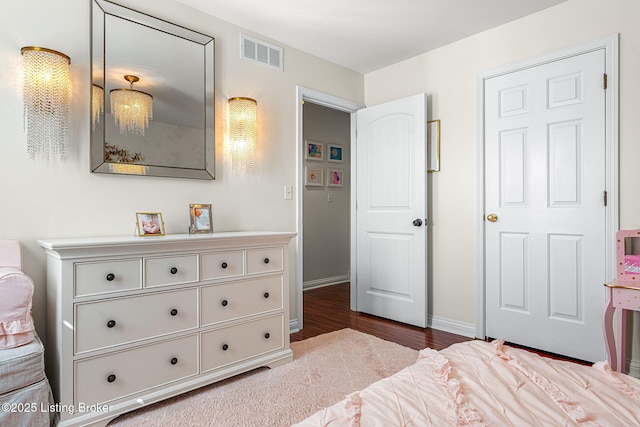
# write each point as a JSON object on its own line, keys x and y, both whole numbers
{"x": 149, "y": 224}
{"x": 201, "y": 218}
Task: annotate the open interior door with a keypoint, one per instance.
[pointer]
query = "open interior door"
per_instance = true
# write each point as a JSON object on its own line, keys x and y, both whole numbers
{"x": 391, "y": 207}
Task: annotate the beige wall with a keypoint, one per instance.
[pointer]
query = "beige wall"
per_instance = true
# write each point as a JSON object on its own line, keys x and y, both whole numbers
{"x": 64, "y": 199}
{"x": 449, "y": 76}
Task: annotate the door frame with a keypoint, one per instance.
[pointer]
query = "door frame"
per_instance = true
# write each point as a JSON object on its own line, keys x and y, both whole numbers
{"x": 610, "y": 45}
{"x": 311, "y": 95}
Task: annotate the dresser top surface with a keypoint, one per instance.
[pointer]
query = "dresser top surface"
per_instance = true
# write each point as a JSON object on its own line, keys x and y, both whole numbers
{"x": 197, "y": 239}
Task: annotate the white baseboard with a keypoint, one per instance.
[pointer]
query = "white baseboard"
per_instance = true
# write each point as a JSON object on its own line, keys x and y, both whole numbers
{"x": 294, "y": 326}
{"x": 451, "y": 326}
{"x": 327, "y": 281}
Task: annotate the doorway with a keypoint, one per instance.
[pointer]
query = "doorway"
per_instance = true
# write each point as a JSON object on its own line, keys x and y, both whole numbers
{"x": 307, "y": 95}
{"x": 326, "y": 196}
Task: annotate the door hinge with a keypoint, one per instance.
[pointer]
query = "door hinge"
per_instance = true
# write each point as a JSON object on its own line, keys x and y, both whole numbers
{"x": 606, "y": 199}
{"x": 605, "y": 80}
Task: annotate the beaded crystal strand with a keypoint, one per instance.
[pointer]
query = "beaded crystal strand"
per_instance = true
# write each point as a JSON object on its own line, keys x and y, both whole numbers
{"x": 47, "y": 93}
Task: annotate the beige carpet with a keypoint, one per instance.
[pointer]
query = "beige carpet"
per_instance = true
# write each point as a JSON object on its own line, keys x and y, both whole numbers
{"x": 325, "y": 369}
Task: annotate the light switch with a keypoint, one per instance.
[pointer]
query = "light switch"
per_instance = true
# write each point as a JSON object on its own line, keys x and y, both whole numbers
{"x": 288, "y": 192}
{"x": 330, "y": 197}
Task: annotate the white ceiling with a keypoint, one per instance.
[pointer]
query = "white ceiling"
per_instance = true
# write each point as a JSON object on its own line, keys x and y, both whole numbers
{"x": 365, "y": 35}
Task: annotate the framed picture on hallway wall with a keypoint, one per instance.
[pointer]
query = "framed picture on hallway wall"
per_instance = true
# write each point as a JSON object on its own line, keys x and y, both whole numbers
{"x": 314, "y": 150}
{"x": 313, "y": 177}
{"x": 335, "y": 153}
{"x": 335, "y": 178}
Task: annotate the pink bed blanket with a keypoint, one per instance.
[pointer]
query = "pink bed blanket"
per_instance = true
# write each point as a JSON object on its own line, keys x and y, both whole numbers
{"x": 490, "y": 384}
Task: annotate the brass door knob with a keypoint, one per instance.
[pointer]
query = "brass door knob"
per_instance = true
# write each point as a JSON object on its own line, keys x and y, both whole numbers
{"x": 492, "y": 217}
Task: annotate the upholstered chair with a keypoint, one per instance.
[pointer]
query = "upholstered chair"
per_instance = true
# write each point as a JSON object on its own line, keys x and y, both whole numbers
{"x": 25, "y": 394}
{"x": 16, "y": 288}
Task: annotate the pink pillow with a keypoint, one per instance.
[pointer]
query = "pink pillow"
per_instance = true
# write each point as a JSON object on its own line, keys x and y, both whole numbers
{"x": 16, "y": 322}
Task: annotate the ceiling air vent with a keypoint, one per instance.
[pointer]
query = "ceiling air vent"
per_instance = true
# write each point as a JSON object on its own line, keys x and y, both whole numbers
{"x": 261, "y": 52}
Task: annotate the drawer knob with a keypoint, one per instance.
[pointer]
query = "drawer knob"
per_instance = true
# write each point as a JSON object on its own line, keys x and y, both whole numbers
{"x": 174, "y": 360}
{"x": 224, "y": 302}
{"x": 174, "y": 312}
{"x": 111, "y": 277}
{"x": 224, "y": 265}
{"x": 111, "y": 378}
{"x": 266, "y": 260}
{"x": 266, "y": 294}
{"x": 173, "y": 270}
{"x": 111, "y": 323}
{"x": 267, "y": 335}
{"x": 225, "y": 347}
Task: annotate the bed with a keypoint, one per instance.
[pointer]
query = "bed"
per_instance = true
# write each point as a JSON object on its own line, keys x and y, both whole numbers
{"x": 477, "y": 383}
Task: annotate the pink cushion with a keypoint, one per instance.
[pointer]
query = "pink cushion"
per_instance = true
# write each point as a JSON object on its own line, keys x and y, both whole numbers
{"x": 16, "y": 322}
{"x": 10, "y": 253}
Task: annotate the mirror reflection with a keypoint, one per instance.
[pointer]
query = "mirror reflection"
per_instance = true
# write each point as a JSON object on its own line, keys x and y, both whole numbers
{"x": 152, "y": 107}
{"x": 632, "y": 255}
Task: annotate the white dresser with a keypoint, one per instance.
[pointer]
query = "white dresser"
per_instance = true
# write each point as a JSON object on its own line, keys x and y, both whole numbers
{"x": 134, "y": 320}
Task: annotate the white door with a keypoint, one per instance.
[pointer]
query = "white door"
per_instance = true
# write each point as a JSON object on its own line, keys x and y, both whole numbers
{"x": 545, "y": 182}
{"x": 391, "y": 210}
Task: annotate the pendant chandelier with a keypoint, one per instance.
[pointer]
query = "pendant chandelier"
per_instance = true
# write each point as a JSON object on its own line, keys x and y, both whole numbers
{"x": 132, "y": 109}
{"x": 47, "y": 95}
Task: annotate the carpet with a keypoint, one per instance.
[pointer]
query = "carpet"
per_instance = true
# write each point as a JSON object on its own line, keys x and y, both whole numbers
{"x": 325, "y": 369}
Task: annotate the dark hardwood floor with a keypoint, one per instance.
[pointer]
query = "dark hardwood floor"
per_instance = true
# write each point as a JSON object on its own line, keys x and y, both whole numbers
{"x": 327, "y": 309}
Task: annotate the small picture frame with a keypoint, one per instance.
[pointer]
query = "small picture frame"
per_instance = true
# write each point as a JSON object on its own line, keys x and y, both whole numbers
{"x": 433, "y": 145}
{"x": 149, "y": 224}
{"x": 313, "y": 177}
{"x": 335, "y": 153}
{"x": 314, "y": 151}
{"x": 335, "y": 178}
{"x": 201, "y": 218}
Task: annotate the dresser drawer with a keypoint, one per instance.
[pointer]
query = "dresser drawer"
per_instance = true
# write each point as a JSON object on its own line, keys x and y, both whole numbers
{"x": 118, "y": 321}
{"x": 104, "y": 378}
{"x": 237, "y": 343}
{"x": 264, "y": 260}
{"x": 230, "y": 301}
{"x": 221, "y": 264}
{"x": 92, "y": 278}
{"x": 170, "y": 270}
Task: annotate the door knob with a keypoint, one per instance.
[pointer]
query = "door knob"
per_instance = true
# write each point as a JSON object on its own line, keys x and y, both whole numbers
{"x": 417, "y": 222}
{"x": 492, "y": 217}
